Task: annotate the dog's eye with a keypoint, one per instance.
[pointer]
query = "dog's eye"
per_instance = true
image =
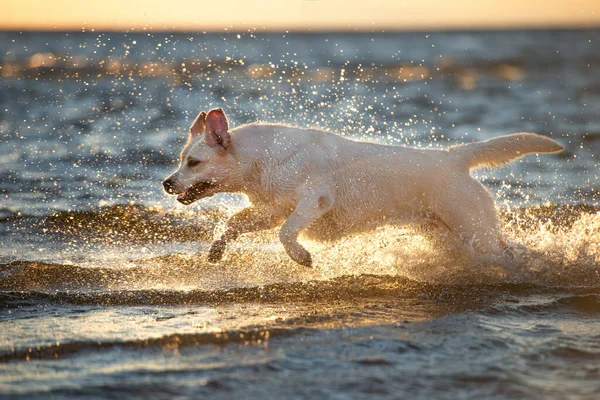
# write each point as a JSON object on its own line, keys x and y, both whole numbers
{"x": 192, "y": 163}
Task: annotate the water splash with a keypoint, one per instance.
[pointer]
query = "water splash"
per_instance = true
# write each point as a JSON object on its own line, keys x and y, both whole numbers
{"x": 553, "y": 246}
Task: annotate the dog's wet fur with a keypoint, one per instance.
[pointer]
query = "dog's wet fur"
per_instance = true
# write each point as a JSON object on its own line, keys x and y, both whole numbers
{"x": 326, "y": 186}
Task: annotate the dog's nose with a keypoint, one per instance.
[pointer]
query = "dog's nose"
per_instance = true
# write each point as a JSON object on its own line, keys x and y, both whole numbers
{"x": 168, "y": 185}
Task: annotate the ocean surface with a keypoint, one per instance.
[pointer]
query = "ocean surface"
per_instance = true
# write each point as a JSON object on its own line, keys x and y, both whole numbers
{"x": 105, "y": 290}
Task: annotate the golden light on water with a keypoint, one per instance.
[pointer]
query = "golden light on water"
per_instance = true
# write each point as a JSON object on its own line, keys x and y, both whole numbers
{"x": 297, "y": 14}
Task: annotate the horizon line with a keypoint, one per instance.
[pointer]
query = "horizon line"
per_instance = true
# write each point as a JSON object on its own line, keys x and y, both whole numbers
{"x": 276, "y": 29}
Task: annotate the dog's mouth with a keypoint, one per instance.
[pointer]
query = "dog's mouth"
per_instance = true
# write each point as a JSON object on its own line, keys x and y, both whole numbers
{"x": 194, "y": 193}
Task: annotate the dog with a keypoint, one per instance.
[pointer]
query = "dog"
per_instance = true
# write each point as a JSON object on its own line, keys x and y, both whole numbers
{"x": 325, "y": 186}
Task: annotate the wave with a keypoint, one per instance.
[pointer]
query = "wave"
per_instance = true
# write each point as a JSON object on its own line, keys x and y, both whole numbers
{"x": 580, "y": 303}
{"x": 50, "y": 66}
{"x": 554, "y": 246}
{"x": 344, "y": 288}
{"x": 331, "y": 317}
{"x": 341, "y": 288}
{"x": 169, "y": 342}
{"x": 121, "y": 223}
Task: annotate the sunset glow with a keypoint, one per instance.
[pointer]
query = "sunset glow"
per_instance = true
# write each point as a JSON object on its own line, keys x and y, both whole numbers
{"x": 297, "y": 14}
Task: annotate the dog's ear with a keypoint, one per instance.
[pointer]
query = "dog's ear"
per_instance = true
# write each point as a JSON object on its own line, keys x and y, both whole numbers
{"x": 216, "y": 131}
{"x": 199, "y": 124}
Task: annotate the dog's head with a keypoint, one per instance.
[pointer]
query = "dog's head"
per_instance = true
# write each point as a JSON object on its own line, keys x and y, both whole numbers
{"x": 205, "y": 161}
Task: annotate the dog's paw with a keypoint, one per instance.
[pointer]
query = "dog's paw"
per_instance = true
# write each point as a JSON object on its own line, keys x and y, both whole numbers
{"x": 305, "y": 261}
{"x": 217, "y": 249}
{"x": 302, "y": 257}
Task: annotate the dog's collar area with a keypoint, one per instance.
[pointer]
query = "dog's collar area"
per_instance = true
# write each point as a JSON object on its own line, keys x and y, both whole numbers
{"x": 194, "y": 193}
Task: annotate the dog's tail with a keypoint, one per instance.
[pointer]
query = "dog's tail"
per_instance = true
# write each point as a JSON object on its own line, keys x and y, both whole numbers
{"x": 504, "y": 149}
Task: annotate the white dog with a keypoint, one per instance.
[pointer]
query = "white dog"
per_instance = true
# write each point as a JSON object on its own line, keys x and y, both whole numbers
{"x": 326, "y": 186}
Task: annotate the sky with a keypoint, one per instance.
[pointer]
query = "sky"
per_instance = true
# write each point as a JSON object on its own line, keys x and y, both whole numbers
{"x": 199, "y": 15}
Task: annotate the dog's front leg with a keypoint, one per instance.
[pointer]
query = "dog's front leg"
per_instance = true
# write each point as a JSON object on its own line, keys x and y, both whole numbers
{"x": 250, "y": 219}
{"x": 307, "y": 211}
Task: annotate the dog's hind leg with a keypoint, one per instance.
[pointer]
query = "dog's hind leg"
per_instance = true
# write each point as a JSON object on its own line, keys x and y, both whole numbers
{"x": 469, "y": 211}
{"x": 310, "y": 208}
{"x": 250, "y": 219}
